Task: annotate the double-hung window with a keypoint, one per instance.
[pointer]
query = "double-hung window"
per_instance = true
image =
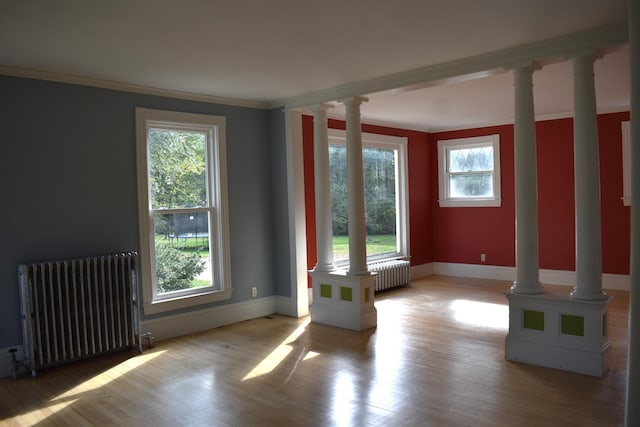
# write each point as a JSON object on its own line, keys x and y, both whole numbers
{"x": 183, "y": 209}
{"x": 385, "y": 191}
{"x": 469, "y": 171}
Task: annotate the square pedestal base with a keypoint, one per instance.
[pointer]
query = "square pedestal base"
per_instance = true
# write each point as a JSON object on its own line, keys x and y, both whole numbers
{"x": 559, "y": 332}
{"x": 344, "y": 301}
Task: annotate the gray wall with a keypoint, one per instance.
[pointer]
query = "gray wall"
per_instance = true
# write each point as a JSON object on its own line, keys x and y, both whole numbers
{"x": 281, "y": 258}
{"x": 68, "y": 182}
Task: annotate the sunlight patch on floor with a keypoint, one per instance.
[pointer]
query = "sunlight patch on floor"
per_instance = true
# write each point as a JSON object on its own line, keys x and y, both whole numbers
{"x": 269, "y": 363}
{"x": 107, "y": 376}
{"x": 477, "y": 313}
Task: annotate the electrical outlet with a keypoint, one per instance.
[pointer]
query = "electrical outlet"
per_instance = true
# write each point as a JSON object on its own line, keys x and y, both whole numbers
{"x": 254, "y": 292}
{"x": 483, "y": 257}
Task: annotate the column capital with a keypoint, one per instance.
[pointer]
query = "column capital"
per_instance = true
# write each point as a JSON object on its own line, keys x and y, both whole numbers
{"x": 324, "y": 106}
{"x": 357, "y": 100}
{"x": 589, "y": 55}
{"x": 524, "y": 66}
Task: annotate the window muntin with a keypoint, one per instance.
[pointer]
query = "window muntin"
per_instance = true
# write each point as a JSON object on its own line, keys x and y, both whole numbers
{"x": 183, "y": 219}
{"x": 469, "y": 171}
{"x": 385, "y": 188}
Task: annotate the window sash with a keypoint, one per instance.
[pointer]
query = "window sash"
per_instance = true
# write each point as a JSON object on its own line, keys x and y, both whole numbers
{"x": 215, "y": 282}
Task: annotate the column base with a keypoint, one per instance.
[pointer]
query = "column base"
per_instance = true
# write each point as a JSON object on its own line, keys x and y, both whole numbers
{"x": 599, "y": 295}
{"x": 518, "y": 288}
{"x": 559, "y": 332}
{"x": 343, "y": 300}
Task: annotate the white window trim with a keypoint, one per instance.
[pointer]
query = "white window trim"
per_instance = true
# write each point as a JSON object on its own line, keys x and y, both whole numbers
{"x": 215, "y": 126}
{"x": 338, "y": 136}
{"x": 443, "y": 181}
{"x": 626, "y": 163}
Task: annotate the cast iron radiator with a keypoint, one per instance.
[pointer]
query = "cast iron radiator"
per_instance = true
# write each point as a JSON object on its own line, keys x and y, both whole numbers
{"x": 78, "y": 308}
{"x": 391, "y": 273}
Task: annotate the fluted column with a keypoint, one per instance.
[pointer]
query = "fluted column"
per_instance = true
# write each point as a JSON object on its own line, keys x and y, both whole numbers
{"x": 526, "y": 185}
{"x": 587, "y": 182}
{"x": 324, "y": 234}
{"x": 632, "y": 411}
{"x": 355, "y": 189}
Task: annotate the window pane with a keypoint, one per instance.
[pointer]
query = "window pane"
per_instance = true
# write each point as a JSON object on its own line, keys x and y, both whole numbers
{"x": 471, "y": 159}
{"x": 379, "y": 168}
{"x": 177, "y": 169}
{"x": 183, "y": 259}
{"x": 339, "y": 207}
{"x": 471, "y": 185}
{"x": 380, "y": 200}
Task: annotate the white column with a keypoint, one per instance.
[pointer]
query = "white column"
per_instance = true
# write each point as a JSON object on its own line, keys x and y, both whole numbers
{"x": 324, "y": 227}
{"x": 587, "y": 182}
{"x": 632, "y": 413}
{"x": 526, "y": 185}
{"x": 355, "y": 190}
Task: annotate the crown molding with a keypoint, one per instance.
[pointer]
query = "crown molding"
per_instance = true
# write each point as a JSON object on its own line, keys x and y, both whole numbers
{"x": 543, "y": 52}
{"x": 127, "y": 87}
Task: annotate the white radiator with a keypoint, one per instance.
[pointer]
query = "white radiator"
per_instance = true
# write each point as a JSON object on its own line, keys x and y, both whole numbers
{"x": 77, "y": 308}
{"x": 391, "y": 273}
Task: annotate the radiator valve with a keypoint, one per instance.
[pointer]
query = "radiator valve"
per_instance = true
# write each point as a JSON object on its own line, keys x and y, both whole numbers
{"x": 17, "y": 364}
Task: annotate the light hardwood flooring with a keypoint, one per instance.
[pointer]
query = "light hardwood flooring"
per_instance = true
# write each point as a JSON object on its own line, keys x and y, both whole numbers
{"x": 426, "y": 364}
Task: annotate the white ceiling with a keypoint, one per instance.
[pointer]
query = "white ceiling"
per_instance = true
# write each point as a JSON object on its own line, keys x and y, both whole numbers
{"x": 268, "y": 52}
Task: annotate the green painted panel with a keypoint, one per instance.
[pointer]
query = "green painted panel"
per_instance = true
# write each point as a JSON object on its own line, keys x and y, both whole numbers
{"x": 325, "y": 291}
{"x": 572, "y": 325}
{"x": 346, "y": 293}
{"x": 366, "y": 294}
{"x": 533, "y": 319}
{"x": 605, "y": 323}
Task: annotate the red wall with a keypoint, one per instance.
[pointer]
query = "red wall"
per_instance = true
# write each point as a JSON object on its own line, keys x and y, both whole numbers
{"x": 556, "y": 208}
{"x": 420, "y": 196}
{"x": 460, "y": 235}
{"x": 616, "y": 218}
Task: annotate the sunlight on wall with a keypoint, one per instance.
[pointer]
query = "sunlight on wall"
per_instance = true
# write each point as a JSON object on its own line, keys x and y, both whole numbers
{"x": 489, "y": 315}
{"x": 269, "y": 363}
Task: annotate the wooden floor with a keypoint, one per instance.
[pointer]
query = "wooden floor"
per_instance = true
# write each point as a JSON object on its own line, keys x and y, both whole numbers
{"x": 426, "y": 364}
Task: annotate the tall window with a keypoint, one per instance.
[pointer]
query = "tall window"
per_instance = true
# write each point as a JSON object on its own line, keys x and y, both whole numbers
{"x": 385, "y": 188}
{"x": 469, "y": 171}
{"x": 182, "y": 204}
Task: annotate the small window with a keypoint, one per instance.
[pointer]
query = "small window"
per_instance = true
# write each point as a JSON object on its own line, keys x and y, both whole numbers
{"x": 182, "y": 203}
{"x": 626, "y": 164}
{"x": 469, "y": 171}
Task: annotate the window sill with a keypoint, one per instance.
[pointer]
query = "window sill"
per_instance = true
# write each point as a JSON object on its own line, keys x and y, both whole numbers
{"x": 172, "y": 304}
{"x": 469, "y": 203}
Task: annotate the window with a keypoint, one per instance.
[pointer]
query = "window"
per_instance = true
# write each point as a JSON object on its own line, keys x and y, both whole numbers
{"x": 626, "y": 164}
{"x": 469, "y": 171}
{"x": 182, "y": 199}
{"x": 385, "y": 188}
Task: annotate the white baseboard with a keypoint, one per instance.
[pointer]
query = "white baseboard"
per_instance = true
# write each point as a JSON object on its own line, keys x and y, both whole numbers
{"x": 474, "y": 270}
{"x": 287, "y": 306}
{"x": 422, "y": 270}
{"x": 6, "y": 369}
{"x": 551, "y": 277}
{"x": 202, "y": 320}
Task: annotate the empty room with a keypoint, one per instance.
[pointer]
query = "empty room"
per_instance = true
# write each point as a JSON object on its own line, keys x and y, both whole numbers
{"x": 319, "y": 213}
